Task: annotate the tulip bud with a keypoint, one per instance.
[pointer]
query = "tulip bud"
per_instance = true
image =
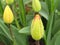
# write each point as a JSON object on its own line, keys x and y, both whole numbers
{"x": 37, "y": 28}
{"x": 9, "y": 1}
{"x": 36, "y": 5}
{"x": 8, "y": 15}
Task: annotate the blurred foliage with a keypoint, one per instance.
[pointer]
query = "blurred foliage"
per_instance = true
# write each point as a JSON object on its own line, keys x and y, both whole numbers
{"x": 24, "y": 14}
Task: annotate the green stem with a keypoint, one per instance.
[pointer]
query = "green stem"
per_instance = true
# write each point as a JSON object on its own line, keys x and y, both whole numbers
{"x": 51, "y": 5}
{"x": 12, "y": 35}
{"x": 48, "y": 2}
{"x": 37, "y": 43}
{"x": 16, "y": 20}
{"x": 22, "y": 12}
{"x": 17, "y": 23}
{"x": 1, "y": 9}
{"x": 45, "y": 38}
{"x": 10, "y": 31}
{"x": 49, "y": 28}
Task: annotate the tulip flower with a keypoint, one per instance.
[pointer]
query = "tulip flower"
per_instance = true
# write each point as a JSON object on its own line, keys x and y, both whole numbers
{"x": 9, "y": 1}
{"x": 36, "y": 5}
{"x": 8, "y": 15}
{"x": 37, "y": 28}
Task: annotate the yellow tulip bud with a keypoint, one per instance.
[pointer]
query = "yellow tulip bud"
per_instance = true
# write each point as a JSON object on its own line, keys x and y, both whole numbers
{"x": 9, "y": 1}
{"x": 8, "y": 15}
{"x": 37, "y": 28}
{"x": 36, "y": 5}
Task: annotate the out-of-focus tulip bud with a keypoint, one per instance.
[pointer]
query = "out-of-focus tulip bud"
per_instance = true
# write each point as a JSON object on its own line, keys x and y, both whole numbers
{"x": 37, "y": 28}
{"x": 36, "y": 5}
{"x": 9, "y": 1}
{"x": 8, "y": 15}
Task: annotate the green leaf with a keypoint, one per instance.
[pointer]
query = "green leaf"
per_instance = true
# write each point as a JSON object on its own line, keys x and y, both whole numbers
{"x": 22, "y": 12}
{"x": 1, "y": 9}
{"x": 52, "y": 8}
{"x": 52, "y": 5}
{"x": 20, "y": 39}
{"x": 1, "y": 31}
{"x": 56, "y": 27}
{"x": 48, "y": 2}
{"x": 25, "y": 30}
{"x": 29, "y": 19}
{"x": 54, "y": 38}
{"x": 6, "y": 40}
{"x": 44, "y": 11}
{"x": 5, "y": 29}
{"x": 26, "y": 1}
{"x": 57, "y": 42}
{"x": 58, "y": 5}
{"x": 49, "y": 28}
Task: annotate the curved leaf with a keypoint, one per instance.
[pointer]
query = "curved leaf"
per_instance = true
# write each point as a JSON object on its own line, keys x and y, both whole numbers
{"x": 20, "y": 39}
{"x": 5, "y": 29}
{"x": 25, "y": 30}
{"x": 54, "y": 38}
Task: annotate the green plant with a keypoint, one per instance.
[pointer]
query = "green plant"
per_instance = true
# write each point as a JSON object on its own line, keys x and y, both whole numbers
{"x": 18, "y": 32}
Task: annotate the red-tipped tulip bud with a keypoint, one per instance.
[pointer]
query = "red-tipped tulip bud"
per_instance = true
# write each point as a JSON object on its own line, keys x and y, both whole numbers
{"x": 37, "y": 28}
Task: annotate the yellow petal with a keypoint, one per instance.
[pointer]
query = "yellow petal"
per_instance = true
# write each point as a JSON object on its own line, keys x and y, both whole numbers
{"x": 36, "y": 5}
{"x": 8, "y": 15}
{"x": 37, "y": 28}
